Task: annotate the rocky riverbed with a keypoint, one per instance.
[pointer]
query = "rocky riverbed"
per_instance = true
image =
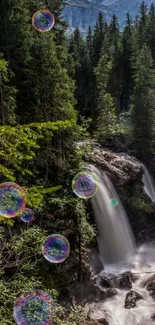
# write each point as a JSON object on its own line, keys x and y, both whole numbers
{"x": 105, "y": 291}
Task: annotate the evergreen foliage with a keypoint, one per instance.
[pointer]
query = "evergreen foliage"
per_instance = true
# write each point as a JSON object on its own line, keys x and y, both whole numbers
{"x": 143, "y": 101}
{"x": 53, "y": 90}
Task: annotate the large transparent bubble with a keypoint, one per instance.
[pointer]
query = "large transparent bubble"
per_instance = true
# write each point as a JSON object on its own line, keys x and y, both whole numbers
{"x": 43, "y": 20}
{"x": 34, "y": 307}
{"x": 12, "y": 200}
{"x": 85, "y": 184}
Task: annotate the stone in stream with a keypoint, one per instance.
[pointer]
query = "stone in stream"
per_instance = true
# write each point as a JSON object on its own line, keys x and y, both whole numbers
{"x": 152, "y": 294}
{"x": 125, "y": 281}
{"x": 106, "y": 294}
{"x": 153, "y": 318}
{"x": 95, "y": 322}
{"x": 92, "y": 291}
{"x": 111, "y": 292}
{"x": 104, "y": 282}
{"x": 132, "y": 276}
{"x": 150, "y": 284}
{"x": 131, "y": 298}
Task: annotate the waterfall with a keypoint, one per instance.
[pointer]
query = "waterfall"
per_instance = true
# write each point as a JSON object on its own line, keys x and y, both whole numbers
{"x": 116, "y": 245}
{"x": 149, "y": 185}
{"x": 115, "y": 239}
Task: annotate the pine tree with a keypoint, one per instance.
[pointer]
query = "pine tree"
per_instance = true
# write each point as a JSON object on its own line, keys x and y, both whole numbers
{"x": 53, "y": 85}
{"x": 142, "y": 25}
{"x": 143, "y": 101}
{"x": 114, "y": 87}
{"x": 151, "y": 30}
{"x": 106, "y": 113}
{"x": 114, "y": 31}
{"x": 45, "y": 91}
{"x": 89, "y": 43}
{"x": 7, "y": 95}
{"x": 16, "y": 41}
{"x": 56, "y": 7}
{"x": 77, "y": 48}
{"x": 98, "y": 38}
{"x": 126, "y": 70}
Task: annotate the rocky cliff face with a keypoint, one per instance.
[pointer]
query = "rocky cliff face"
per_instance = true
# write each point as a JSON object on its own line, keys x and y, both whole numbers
{"x": 126, "y": 173}
{"x": 82, "y": 13}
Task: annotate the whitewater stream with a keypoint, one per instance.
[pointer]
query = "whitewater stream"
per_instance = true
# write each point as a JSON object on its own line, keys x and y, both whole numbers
{"x": 149, "y": 185}
{"x": 118, "y": 254}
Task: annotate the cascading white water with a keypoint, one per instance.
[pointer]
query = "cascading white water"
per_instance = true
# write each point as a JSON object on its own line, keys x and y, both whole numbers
{"x": 149, "y": 185}
{"x": 115, "y": 239}
{"x": 116, "y": 244}
{"x": 113, "y": 308}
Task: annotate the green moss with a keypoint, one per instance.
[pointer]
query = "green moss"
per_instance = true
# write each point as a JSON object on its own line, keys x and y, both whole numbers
{"x": 140, "y": 204}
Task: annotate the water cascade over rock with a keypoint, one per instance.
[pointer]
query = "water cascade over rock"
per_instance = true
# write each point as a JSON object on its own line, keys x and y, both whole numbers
{"x": 127, "y": 282}
{"x": 115, "y": 239}
{"x": 149, "y": 184}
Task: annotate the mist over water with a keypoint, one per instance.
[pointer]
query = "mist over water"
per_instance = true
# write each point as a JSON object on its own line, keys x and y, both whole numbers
{"x": 113, "y": 308}
{"x": 118, "y": 253}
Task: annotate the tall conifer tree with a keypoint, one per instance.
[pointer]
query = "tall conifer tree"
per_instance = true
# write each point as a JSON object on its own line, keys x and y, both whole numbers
{"x": 143, "y": 102}
{"x": 126, "y": 70}
{"x": 115, "y": 57}
{"x": 142, "y": 25}
{"x": 151, "y": 30}
{"x": 7, "y": 95}
{"x": 106, "y": 114}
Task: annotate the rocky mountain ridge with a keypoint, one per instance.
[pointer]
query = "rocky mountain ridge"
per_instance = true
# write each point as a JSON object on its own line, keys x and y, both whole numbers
{"x": 82, "y": 13}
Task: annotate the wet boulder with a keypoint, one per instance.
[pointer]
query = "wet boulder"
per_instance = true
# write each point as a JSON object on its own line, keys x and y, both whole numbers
{"x": 102, "y": 321}
{"x": 131, "y": 298}
{"x": 121, "y": 167}
{"x": 91, "y": 291}
{"x": 94, "y": 260}
{"x": 152, "y": 294}
{"x": 88, "y": 292}
{"x": 132, "y": 276}
{"x": 104, "y": 294}
{"x": 150, "y": 284}
{"x": 125, "y": 281}
{"x": 104, "y": 282}
{"x": 111, "y": 292}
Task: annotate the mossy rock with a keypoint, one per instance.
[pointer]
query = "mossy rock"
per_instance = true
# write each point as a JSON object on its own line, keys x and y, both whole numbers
{"x": 140, "y": 204}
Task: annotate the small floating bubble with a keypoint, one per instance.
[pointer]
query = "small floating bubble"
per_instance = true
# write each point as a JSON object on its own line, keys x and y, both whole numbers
{"x": 27, "y": 215}
{"x": 113, "y": 202}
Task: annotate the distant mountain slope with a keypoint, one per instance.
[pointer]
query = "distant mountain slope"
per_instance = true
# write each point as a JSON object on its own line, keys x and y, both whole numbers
{"x": 82, "y": 13}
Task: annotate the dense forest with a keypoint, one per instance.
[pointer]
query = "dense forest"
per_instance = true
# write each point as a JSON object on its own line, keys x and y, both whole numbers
{"x": 56, "y": 90}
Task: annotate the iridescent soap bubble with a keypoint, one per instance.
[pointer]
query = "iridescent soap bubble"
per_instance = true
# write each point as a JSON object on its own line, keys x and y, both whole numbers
{"x": 85, "y": 184}
{"x": 113, "y": 202}
{"x": 56, "y": 248}
{"x": 27, "y": 215}
{"x": 43, "y": 20}
{"x": 90, "y": 171}
{"x": 12, "y": 200}
{"x": 34, "y": 307}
